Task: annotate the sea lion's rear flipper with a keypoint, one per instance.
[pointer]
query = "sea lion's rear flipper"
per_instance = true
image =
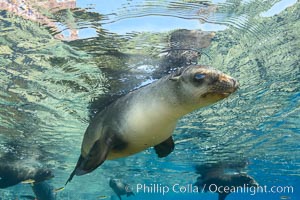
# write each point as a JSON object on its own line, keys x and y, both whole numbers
{"x": 95, "y": 158}
{"x": 222, "y": 196}
{"x": 165, "y": 148}
{"x": 130, "y": 194}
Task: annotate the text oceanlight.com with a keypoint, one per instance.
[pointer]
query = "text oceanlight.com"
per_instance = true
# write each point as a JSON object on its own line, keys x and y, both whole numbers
{"x": 190, "y": 188}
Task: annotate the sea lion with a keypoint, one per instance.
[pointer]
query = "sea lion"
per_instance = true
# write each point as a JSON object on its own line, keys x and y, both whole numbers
{"x": 221, "y": 175}
{"x": 147, "y": 116}
{"x": 120, "y": 188}
{"x": 14, "y": 173}
{"x": 42, "y": 191}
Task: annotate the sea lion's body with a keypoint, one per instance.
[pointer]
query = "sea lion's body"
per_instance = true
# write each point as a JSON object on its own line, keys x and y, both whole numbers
{"x": 147, "y": 117}
{"x": 14, "y": 173}
{"x": 120, "y": 188}
{"x": 153, "y": 121}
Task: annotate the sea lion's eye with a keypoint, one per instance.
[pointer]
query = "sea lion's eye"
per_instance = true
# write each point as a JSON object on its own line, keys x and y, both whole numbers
{"x": 199, "y": 77}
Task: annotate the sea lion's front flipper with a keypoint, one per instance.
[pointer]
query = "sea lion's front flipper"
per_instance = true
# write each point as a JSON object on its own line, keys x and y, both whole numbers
{"x": 222, "y": 196}
{"x": 130, "y": 194}
{"x": 165, "y": 148}
{"x": 95, "y": 158}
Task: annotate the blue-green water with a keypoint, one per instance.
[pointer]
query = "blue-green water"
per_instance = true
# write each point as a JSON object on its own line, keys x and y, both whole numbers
{"x": 48, "y": 79}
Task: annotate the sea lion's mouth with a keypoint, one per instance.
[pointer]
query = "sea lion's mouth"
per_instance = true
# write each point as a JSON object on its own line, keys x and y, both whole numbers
{"x": 226, "y": 93}
{"x": 223, "y": 89}
{"x": 216, "y": 94}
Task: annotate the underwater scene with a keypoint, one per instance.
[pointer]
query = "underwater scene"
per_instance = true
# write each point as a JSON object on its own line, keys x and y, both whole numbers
{"x": 149, "y": 99}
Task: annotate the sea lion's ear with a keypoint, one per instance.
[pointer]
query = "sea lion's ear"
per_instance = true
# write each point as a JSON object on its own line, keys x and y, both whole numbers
{"x": 174, "y": 78}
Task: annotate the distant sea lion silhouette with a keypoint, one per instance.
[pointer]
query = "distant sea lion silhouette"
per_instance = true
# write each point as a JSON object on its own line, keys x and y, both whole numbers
{"x": 213, "y": 176}
{"x": 147, "y": 116}
{"x": 42, "y": 191}
{"x": 12, "y": 174}
{"x": 120, "y": 188}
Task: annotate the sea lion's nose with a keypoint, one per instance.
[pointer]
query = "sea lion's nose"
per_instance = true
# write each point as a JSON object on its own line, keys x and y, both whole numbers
{"x": 231, "y": 84}
{"x": 228, "y": 79}
{"x": 235, "y": 84}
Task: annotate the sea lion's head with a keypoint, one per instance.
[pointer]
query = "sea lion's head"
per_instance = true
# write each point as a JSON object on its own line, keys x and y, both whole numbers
{"x": 199, "y": 86}
{"x": 42, "y": 175}
{"x": 120, "y": 187}
{"x": 116, "y": 183}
